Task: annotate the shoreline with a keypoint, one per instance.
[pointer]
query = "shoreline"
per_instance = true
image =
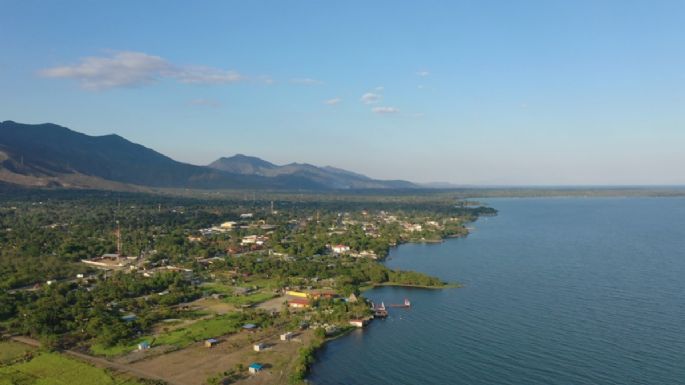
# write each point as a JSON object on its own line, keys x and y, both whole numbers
{"x": 454, "y": 285}
{"x": 366, "y": 288}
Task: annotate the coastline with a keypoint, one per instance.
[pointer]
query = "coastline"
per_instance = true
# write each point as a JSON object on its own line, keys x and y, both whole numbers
{"x": 453, "y": 285}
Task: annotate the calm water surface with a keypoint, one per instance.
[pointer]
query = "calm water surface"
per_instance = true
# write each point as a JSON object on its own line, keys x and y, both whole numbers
{"x": 558, "y": 291}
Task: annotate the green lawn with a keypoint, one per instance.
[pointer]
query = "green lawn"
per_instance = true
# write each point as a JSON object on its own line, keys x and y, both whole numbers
{"x": 55, "y": 369}
{"x": 198, "y": 331}
{"x": 250, "y": 299}
{"x": 10, "y": 351}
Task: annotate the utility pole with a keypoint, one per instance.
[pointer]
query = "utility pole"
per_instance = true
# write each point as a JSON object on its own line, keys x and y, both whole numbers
{"x": 118, "y": 239}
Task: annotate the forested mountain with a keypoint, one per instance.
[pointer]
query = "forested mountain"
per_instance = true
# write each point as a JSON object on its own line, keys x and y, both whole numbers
{"x": 47, "y": 155}
{"x": 328, "y": 176}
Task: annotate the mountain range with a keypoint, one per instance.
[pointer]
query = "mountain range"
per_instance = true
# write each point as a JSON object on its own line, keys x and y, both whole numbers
{"x": 49, "y": 155}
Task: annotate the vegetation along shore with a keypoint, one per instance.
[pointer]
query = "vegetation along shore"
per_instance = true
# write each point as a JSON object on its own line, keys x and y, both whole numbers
{"x": 196, "y": 290}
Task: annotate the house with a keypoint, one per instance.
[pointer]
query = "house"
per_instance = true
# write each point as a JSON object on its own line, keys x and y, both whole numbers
{"x": 228, "y": 225}
{"x": 250, "y": 327}
{"x": 412, "y": 227}
{"x": 352, "y": 298}
{"x": 357, "y": 323}
{"x": 298, "y": 303}
{"x": 328, "y": 294}
{"x": 258, "y": 347}
{"x": 258, "y": 240}
{"x": 287, "y": 336}
{"x": 107, "y": 261}
{"x": 129, "y": 318}
{"x": 340, "y": 249}
{"x": 144, "y": 345}
{"x": 255, "y": 368}
{"x": 211, "y": 342}
{"x": 293, "y": 293}
{"x": 246, "y": 216}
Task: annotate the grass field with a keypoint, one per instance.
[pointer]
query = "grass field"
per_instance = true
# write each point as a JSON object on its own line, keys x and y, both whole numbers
{"x": 10, "y": 351}
{"x": 198, "y": 331}
{"x": 55, "y": 369}
{"x": 250, "y": 299}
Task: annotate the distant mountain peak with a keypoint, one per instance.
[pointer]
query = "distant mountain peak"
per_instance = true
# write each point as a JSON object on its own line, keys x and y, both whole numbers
{"x": 331, "y": 177}
{"x": 49, "y": 155}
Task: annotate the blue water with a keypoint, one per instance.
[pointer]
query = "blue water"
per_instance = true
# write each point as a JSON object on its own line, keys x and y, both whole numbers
{"x": 557, "y": 291}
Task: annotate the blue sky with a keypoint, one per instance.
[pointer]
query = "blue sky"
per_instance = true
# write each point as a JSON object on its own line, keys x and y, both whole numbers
{"x": 471, "y": 92}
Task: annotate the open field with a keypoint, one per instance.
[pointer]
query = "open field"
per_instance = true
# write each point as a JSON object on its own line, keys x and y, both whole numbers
{"x": 179, "y": 338}
{"x": 56, "y": 369}
{"x": 196, "y": 363}
{"x": 251, "y": 299}
{"x": 274, "y": 304}
{"x": 11, "y": 351}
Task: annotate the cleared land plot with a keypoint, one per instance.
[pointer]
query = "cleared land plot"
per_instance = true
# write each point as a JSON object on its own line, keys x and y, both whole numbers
{"x": 11, "y": 351}
{"x": 179, "y": 338}
{"x": 216, "y": 306}
{"x": 196, "y": 363}
{"x": 55, "y": 369}
{"x": 274, "y": 304}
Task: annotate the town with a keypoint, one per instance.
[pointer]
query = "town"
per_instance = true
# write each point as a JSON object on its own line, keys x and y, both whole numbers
{"x": 201, "y": 291}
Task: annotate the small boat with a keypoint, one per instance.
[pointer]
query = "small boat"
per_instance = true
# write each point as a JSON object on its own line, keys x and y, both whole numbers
{"x": 406, "y": 304}
{"x": 379, "y": 311}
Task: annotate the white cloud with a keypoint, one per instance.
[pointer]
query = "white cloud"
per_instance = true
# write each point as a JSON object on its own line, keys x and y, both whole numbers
{"x": 306, "y": 81}
{"x": 423, "y": 74}
{"x": 333, "y": 102}
{"x": 371, "y": 98}
{"x": 380, "y": 88}
{"x": 129, "y": 69}
{"x": 204, "y": 75}
{"x": 385, "y": 110}
{"x": 120, "y": 69}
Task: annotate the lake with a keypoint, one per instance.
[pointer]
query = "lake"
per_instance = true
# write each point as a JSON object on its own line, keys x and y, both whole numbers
{"x": 557, "y": 291}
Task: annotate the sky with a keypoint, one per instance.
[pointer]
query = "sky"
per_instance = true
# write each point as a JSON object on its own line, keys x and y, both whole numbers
{"x": 481, "y": 92}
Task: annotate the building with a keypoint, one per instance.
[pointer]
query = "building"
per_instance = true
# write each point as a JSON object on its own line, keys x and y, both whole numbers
{"x": 108, "y": 261}
{"x": 357, "y": 323}
{"x": 340, "y": 249}
{"x": 299, "y": 294}
{"x": 144, "y": 345}
{"x": 323, "y": 293}
{"x": 250, "y": 327}
{"x": 258, "y": 347}
{"x": 211, "y": 342}
{"x": 228, "y": 225}
{"x": 253, "y": 240}
{"x": 352, "y": 298}
{"x": 287, "y": 336}
{"x": 298, "y": 303}
{"x": 255, "y": 368}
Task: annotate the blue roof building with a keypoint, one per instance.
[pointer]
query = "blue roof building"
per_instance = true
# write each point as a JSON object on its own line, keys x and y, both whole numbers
{"x": 255, "y": 367}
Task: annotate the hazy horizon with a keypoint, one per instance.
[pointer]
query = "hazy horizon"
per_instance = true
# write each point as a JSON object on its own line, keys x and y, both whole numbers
{"x": 471, "y": 93}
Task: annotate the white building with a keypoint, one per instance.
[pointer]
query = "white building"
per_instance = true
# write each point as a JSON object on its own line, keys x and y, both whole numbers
{"x": 340, "y": 249}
